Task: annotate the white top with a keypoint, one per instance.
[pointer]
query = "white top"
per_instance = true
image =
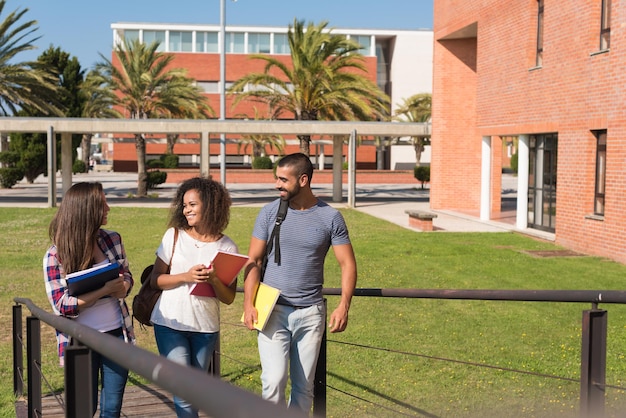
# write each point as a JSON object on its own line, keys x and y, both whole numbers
{"x": 176, "y": 308}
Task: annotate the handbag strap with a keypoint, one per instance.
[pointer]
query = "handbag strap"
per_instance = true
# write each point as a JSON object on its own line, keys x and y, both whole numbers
{"x": 173, "y": 249}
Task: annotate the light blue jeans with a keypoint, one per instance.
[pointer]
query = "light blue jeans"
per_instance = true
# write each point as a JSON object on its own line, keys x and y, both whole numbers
{"x": 113, "y": 378}
{"x": 187, "y": 348}
{"x": 291, "y": 342}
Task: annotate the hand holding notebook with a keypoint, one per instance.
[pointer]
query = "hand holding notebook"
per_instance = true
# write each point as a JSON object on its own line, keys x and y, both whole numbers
{"x": 226, "y": 267}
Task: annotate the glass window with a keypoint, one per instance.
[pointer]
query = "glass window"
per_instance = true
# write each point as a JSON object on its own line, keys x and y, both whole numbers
{"x": 281, "y": 44}
{"x": 131, "y": 35}
{"x": 598, "y": 207}
{"x": 605, "y": 27}
{"x": 235, "y": 43}
{"x": 365, "y": 42}
{"x": 150, "y": 36}
{"x": 259, "y": 43}
{"x": 180, "y": 41}
{"x": 539, "y": 57}
{"x": 207, "y": 42}
{"x": 209, "y": 86}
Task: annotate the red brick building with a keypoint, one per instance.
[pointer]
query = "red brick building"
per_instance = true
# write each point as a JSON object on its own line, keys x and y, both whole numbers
{"x": 400, "y": 62}
{"x": 551, "y": 75}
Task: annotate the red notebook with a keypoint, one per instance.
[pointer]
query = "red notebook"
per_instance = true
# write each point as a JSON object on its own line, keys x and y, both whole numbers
{"x": 226, "y": 266}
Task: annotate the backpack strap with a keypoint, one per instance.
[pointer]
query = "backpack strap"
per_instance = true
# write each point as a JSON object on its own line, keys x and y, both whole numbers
{"x": 275, "y": 235}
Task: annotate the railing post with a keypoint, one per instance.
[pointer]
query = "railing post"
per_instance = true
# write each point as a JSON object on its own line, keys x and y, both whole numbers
{"x": 593, "y": 363}
{"x": 18, "y": 352}
{"x": 33, "y": 359}
{"x": 215, "y": 364}
{"x": 79, "y": 400}
{"x": 319, "y": 389}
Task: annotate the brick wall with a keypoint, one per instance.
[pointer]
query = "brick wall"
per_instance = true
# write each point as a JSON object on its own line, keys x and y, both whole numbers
{"x": 577, "y": 89}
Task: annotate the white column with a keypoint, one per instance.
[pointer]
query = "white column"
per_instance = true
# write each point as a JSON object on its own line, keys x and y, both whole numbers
{"x": 52, "y": 168}
{"x": 223, "y": 89}
{"x": 521, "y": 221}
{"x": 205, "y": 155}
{"x": 485, "y": 180}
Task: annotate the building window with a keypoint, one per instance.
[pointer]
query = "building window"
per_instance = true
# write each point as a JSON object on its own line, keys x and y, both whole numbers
{"x": 180, "y": 41}
{"x": 605, "y": 26}
{"x": 207, "y": 42}
{"x": 598, "y": 207}
{"x": 259, "y": 43}
{"x": 150, "y": 36}
{"x": 281, "y": 44}
{"x": 131, "y": 35}
{"x": 235, "y": 43}
{"x": 539, "y": 58}
{"x": 365, "y": 42}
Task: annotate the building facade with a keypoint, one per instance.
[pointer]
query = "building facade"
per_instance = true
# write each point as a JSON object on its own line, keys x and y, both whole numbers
{"x": 400, "y": 62}
{"x": 547, "y": 75}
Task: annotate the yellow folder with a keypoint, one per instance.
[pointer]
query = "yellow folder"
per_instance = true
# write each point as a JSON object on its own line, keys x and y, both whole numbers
{"x": 264, "y": 302}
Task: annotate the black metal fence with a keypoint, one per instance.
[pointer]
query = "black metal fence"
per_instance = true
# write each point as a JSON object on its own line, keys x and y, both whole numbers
{"x": 226, "y": 400}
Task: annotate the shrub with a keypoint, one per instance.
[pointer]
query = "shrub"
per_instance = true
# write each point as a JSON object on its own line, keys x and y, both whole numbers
{"x": 79, "y": 166}
{"x": 422, "y": 173}
{"x": 262, "y": 163}
{"x": 170, "y": 160}
{"x": 155, "y": 164}
{"x": 155, "y": 178}
{"x": 9, "y": 176}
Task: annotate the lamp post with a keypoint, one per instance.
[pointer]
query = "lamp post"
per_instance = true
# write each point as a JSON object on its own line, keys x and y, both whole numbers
{"x": 223, "y": 89}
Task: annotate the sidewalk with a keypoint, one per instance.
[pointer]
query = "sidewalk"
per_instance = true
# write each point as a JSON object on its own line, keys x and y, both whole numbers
{"x": 384, "y": 201}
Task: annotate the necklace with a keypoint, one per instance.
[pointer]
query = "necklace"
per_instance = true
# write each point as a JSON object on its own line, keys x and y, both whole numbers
{"x": 199, "y": 244}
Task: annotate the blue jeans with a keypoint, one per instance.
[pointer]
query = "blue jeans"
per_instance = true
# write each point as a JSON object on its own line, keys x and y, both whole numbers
{"x": 291, "y": 341}
{"x": 187, "y": 348}
{"x": 113, "y": 378}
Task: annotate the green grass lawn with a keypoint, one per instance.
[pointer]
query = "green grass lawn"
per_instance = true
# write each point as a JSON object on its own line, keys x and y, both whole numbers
{"x": 411, "y": 357}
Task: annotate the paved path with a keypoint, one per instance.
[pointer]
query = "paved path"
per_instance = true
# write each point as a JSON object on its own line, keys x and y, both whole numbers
{"x": 385, "y": 201}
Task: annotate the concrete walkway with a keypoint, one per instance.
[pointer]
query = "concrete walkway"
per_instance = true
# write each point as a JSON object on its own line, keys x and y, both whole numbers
{"x": 384, "y": 201}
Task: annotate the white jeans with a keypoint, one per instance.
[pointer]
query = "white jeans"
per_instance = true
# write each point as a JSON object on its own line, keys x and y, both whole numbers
{"x": 291, "y": 339}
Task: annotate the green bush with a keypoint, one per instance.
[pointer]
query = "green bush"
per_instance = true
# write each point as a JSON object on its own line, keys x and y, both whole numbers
{"x": 9, "y": 176}
{"x": 262, "y": 163}
{"x": 170, "y": 160}
{"x": 79, "y": 166}
{"x": 155, "y": 178}
{"x": 155, "y": 164}
{"x": 422, "y": 173}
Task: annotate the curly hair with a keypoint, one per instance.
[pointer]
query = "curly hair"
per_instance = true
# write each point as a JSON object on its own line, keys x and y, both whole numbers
{"x": 215, "y": 205}
{"x": 74, "y": 228}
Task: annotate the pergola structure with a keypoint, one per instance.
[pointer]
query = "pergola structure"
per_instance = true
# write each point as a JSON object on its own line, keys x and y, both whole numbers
{"x": 338, "y": 130}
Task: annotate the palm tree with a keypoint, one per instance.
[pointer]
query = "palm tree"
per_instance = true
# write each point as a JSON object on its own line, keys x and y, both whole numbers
{"x": 325, "y": 81}
{"x": 258, "y": 142}
{"x": 98, "y": 102}
{"x": 148, "y": 88}
{"x": 24, "y": 84}
{"x": 416, "y": 108}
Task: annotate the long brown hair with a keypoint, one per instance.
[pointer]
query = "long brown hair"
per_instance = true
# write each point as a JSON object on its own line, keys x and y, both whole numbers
{"x": 215, "y": 205}
{"x": 74, "y": 228}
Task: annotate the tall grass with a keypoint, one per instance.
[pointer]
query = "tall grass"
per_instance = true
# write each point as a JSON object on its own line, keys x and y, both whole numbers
{"x": 398, "y": 357}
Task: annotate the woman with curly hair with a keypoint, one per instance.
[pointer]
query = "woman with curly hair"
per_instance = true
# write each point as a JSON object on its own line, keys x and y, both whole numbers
{"x": 186, "y": 326}
{"x": 79, "y": 243}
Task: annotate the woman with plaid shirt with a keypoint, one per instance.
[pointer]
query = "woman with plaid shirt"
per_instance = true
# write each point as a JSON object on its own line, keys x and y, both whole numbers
{"x": 79, "y": 243}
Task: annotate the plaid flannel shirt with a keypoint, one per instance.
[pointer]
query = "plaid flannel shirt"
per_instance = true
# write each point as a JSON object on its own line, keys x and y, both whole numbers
{"x": 63, "y": 304}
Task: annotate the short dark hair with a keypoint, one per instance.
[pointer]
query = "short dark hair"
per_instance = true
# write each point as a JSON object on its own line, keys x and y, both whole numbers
{"x": 299, "y": 161}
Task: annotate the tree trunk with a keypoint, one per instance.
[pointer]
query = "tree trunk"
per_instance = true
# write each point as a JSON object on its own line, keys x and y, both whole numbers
{"x": 142, "y": 175}
{"x": 305, "y": 144}
{"x": 171, "y": 141}
{"x": 418, "y": 146}
{"x": 85, "y": 146}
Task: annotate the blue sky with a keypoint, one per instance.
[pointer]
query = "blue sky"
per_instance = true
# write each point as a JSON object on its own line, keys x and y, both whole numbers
{"x": 83, "y": 27}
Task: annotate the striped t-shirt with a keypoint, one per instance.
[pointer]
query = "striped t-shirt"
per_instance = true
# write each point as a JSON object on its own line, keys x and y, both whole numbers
{"x": 305, "y": 238}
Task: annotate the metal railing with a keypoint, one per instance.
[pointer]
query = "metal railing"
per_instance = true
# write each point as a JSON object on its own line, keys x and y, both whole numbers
{"x": 184, "y": 382}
